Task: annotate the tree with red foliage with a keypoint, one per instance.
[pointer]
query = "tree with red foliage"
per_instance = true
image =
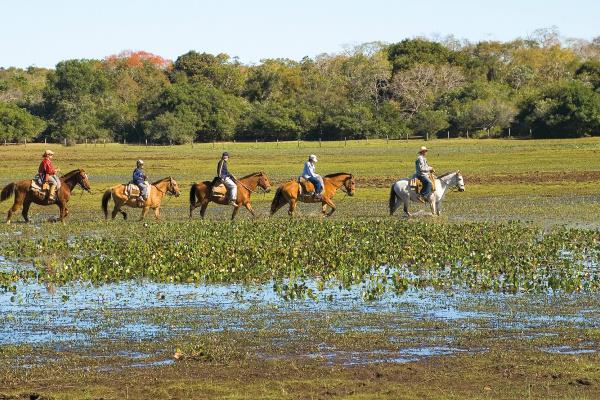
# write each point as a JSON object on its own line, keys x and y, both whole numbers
{"x": 134, "y": 59}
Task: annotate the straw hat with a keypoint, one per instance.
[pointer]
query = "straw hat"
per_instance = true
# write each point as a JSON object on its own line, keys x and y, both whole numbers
{"x": 422, "y": 149}
{"x": 312, "y": 157}
{"x": 48, "y": 153}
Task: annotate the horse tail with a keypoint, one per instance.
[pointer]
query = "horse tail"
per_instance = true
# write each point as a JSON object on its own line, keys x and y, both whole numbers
{"x": 277, "y": 200}
{"x": 105, "y": 199}
{"x": 193, "y": 195}
{"x": 8, "y": 191}
{"x": 392, "y": 202}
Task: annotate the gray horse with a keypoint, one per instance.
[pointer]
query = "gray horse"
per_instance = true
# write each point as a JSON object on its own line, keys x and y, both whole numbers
{"x": 401, "y": 192}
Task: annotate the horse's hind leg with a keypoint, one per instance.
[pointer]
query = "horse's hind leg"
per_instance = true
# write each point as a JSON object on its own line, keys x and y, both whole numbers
{"x": 19, "y": 200}
{"x": 292, "y": 207}
{"x": 25, "y": 211}
{"x": 203, "y": 209}
{"x": 405, "y": 207}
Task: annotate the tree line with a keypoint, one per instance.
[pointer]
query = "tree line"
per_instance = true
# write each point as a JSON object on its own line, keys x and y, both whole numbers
{"x": 542, "y": 86}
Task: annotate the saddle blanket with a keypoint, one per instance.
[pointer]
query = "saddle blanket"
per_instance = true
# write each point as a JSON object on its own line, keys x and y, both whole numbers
{"x": 132, "y": 190}
{"x": 219, "y": 190}
{"x": 41, "y": 190}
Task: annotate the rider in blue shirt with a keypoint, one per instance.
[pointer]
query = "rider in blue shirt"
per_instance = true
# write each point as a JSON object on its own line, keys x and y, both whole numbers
{"x": 140, "y": 178}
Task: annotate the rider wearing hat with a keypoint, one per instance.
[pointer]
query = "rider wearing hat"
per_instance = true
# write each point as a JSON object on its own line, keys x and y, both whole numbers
{"x": 139, "y": 179}
{"x": 423, "y": 170}
{"x": 227, "y": 178}
{"x": 310, "y": 175}
{"x": 47, "y": 173}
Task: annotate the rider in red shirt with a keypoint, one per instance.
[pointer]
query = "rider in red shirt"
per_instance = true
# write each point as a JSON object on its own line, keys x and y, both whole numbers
{"x": 47, "y": 173}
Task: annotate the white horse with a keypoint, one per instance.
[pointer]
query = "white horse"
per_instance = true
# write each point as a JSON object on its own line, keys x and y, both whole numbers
{"x": 401, "y": 192}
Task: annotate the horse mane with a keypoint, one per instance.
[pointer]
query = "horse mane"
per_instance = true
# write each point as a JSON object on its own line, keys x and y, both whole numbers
{"x": 252, "y": 174}
{"x": 161, "y": 180}
{"x": 446, "y": 174}
{"x": 336, "y": 175}
{"x": 70, "y": 174}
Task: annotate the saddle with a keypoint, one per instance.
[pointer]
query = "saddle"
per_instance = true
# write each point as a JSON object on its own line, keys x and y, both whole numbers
{"x": 132, "y": 191}
{"x": 306, "y": 189}
{"x": 417, "y": 185}
{"x": 40, "y": 190}
{"x": 219, "y": 190}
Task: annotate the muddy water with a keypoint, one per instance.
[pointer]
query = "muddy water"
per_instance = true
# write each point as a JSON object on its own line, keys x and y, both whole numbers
{"x": 80, "y": 315}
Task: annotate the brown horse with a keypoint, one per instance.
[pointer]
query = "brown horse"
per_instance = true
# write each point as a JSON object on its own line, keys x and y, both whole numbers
{"x": 159, "y": 188}
{"x": 201, "y": 193}
{"x": 24, "y": 197}
{"x": 289, "y": 192}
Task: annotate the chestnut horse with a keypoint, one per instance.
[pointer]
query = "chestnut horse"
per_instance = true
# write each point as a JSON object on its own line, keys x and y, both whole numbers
{"x": 24, "y": 197}
{"x": 289, "y": 192}
{"x": 159, "y": 188}
{"x": 201, "y": 193}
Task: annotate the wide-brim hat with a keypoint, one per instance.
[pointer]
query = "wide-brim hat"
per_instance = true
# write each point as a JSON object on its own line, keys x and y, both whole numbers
{"x": 422, "y": 149}
{"x": 313, "y": 158}
{"x": 48, "y": 153}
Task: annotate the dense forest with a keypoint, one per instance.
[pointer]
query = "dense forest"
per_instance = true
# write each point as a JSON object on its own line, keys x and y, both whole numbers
{"x": 541, "y": 86}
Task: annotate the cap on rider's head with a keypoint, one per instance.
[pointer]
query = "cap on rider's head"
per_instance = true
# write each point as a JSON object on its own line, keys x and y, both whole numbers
{"x": 139, "y": 162}
{"x": 423, "y": 149}
{"x": 48, "y": 153}
{"x": 312, "y": 157}
{"x": 225, "y": 154}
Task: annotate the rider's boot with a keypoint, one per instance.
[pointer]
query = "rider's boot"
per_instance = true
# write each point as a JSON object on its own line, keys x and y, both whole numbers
{"x": 141, "y": 201}
{"x": 51, "y": 194}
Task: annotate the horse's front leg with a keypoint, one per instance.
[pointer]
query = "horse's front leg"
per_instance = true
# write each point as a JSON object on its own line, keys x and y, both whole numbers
{"x": 405, "y": 207}
{"x": 157, "y": 213}
{"x": 331, "y": 205}
{"x": 203, "y": 209}
{"x": 144, "y": 212}
{"x": 63, "y": 212}
{"x": 438, "y": 207}
{"x": 249, "y": 208}
{"x": 236, "y": 208}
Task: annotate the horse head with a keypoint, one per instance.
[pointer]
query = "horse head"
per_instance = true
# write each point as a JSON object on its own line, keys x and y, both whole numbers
{"x": 350, "y": 185}
{"x": 460, "y": 181}
{"x": 78, "y": 177}
{"x": 173, "y": 187}
{"x": 263, "y": 182}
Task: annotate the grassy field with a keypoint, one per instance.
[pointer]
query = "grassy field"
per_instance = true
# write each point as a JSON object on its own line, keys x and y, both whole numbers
{"x": 502, "y": 289}
{"x": 550, "y": 181}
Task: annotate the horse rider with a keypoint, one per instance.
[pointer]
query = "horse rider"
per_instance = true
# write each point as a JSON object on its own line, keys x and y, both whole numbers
{"x": 423, "y": 171}
{"x": 227, "y": 178}
{"x": 47, "y": 174}
{"x": 139, "y": 179}
{"x": 310, "y": 175}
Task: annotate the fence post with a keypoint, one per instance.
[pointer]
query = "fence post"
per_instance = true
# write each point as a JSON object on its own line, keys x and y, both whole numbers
{"x": 213, "y": 144}
{"x": 44, "y": 140}
{"x": 104, "y": 142}
{"x": 277, "y": 142}
{"x": 25, "y": 142}
{"x": 298, "y": 143}
{"x": 467, "y": 133}
{"x": 448, "y": 134}
{"x": 345, "y": 141}
{"x": 427, "y": 136}
{"x": 65, "y": 141}
{"x": 387, "y": 139}
{"x": 319, "y": 142}
{"x": 509, "y": 131}
{"x": 256, "y": 145}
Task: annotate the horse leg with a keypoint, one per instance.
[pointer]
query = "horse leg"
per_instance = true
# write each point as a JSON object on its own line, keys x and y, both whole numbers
{"x": 235, "y": 211}
{"x": 405, "y": 207}
{"x": 157, "y": 213}
{"x": 144, "y": 212}
{"x": 19, "y": 200}
{"x": 438, "y": 207}
{"x": 249, "y": 208}
{"x": 25, "y": 210}
{"x": 62, "y": 213}
{"x": 115, "y": 211}
{"x": 203, "y": 209}
{"x": 331, "y": 205}
{"x": 292, "y": 207}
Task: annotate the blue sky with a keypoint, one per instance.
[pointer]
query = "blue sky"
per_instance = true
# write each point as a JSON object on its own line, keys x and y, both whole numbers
{"x": 43, "y": 32}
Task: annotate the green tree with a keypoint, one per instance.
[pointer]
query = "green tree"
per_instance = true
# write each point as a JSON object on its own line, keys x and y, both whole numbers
{"x": 570, "y": 109}
{"x": 429, "y": 122}
{"x": 410, "y": 52}
{"x": 219, "y": 71}
{"x": 16, "y": 124}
